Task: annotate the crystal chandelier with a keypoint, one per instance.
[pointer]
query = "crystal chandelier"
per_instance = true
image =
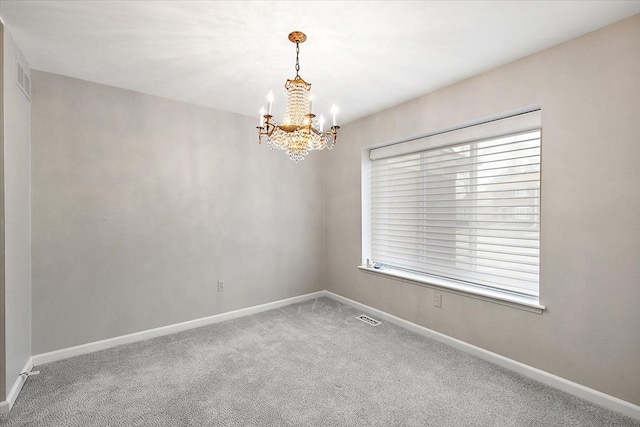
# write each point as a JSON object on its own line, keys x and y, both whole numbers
{"x": 300, "y": 131}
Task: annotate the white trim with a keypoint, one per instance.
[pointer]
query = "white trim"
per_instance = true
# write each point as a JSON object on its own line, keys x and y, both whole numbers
{"x": 594, "y": 396}
{"x": 495, "y": 296}
{"x": 6, "y": 405}
{"x": 66, "y": 353}
{"x": 516, "y": 123}
{"x": 365, "y": 191}
{"x": 586, "y": 393}
{"x": 485, "y": 119}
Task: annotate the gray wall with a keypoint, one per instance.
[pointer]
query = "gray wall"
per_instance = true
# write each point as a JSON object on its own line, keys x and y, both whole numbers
{"x": 589, "y": 90}
{"x": 3, "y": 394}
{"x": 17, "y": 193}
{"x": 140, "y": 204}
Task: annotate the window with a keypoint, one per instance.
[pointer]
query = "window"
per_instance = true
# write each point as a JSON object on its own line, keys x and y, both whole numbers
{"x": 462, "y": 206}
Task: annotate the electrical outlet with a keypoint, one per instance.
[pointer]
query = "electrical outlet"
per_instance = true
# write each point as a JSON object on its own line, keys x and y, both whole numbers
{"x": 220, "y": 285}
{"x": 437, "y": 300}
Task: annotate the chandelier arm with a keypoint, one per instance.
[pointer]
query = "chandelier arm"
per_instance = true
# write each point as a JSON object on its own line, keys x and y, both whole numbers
{"x": 334, "y": 132}
{"x": 267, "y": 129}
{"x": 269, "y": 126}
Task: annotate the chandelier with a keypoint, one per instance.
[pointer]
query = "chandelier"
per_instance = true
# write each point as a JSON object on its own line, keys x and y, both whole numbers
{"x": 300, "y": 131}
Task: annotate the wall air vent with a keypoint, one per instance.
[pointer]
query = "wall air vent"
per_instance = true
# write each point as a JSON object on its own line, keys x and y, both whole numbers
{"x": 369, "y": 320}
{"x": 22, "y": 80}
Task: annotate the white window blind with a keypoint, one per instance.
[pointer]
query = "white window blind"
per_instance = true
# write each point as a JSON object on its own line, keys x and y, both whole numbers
{"x": 464, "y": 211}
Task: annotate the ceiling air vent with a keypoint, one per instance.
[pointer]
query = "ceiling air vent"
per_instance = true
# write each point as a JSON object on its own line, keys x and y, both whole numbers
{"x": 22, "y": 80}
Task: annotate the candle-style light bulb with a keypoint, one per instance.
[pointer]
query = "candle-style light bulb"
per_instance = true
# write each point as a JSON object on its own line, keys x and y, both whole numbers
{"x": 270, "y": 101}
{"x": 334, "y": 111}
{"x": 261, "y": 116}
{"x": 310, "y": 103}
{"x": 321, "y": 122}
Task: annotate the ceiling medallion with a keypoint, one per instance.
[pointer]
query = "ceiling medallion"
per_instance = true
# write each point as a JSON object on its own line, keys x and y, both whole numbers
{"x": 300, "y": 131}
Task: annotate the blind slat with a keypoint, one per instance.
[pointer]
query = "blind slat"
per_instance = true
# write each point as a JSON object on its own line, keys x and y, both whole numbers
{"x": 467, "y": 211}
{"x": 462, "y": 149}
{"x": 484, "y": 177}
{"x": 403, "y": 198}
{"x": 421, "y": 222}
{"x": 462, "y": 252}
{"x": 466, "y": 165}
{"x": 461, "y": 263}
{"x": 515, "y": 250}
{"x": 431, "y": 163}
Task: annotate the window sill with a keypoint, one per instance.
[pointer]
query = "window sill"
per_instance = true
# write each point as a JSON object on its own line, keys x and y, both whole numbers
{"x": 530, "y": 304}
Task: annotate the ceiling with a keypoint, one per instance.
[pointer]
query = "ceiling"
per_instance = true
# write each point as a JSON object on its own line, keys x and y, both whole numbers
{"x": 364, "y": 56}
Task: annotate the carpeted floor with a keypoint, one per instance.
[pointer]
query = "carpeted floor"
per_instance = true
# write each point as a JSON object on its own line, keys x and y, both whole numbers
{"x": 308, "y": 364}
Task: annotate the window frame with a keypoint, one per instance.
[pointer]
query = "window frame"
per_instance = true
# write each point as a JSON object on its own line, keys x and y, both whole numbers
{"x": 528, "y": 119}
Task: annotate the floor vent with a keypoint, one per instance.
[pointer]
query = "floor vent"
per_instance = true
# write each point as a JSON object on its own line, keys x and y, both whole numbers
{"x": 369, "y": 320}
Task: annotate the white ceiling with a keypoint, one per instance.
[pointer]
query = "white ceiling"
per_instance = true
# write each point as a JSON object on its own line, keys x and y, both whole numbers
{"x": 363, "y": 55}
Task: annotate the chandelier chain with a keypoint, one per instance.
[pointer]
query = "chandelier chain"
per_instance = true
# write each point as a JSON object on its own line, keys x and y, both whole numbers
{"x": 297, "y": 59}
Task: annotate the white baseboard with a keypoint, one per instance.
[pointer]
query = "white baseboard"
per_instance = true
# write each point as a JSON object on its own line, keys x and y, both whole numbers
{"x": 6, "y": 405}
{"x": 586, "y": 393}
{"x": 66, "y": 353}
{"x": 618, "y": 405}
